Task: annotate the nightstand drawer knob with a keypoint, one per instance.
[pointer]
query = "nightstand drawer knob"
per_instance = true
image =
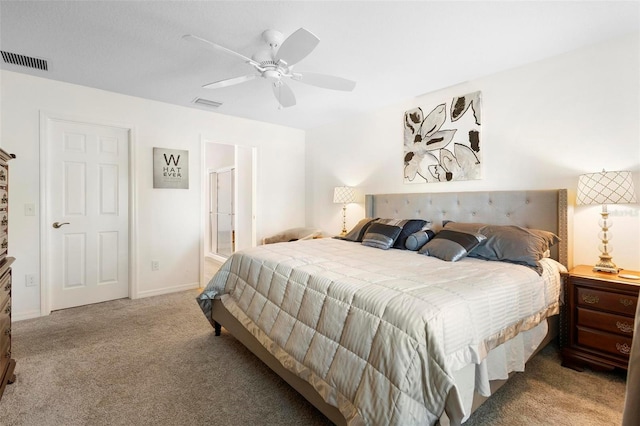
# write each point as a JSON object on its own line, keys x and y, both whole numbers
{"x": 624, "y": 327}
{"x": 590, "y": 298}
{"x": 624, "y": 348}
{"x": 626, "y": 302}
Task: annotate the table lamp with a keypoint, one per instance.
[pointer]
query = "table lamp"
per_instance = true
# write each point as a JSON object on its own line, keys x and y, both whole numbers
{"x": 344, "y": 195}
{"x": 605, "y": 188}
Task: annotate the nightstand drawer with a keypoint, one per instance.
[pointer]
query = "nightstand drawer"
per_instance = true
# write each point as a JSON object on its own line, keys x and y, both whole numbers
{"x": 605, "y": 322}
{"x": 609, "y": 301}
{"x": 605, "y": 342}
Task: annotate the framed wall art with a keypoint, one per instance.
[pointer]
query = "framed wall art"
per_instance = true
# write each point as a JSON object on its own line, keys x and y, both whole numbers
{"x": 170, "y": 168}
{"x": 442, "y": 142}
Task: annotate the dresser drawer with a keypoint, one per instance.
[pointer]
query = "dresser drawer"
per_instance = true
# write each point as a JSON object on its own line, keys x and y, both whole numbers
{"x": 605, "y": 342}
{"x": 606, "y": 322}
{"x": 4, "y": 175}
{"x": 4, "y": 222}
{"x": 608, "y": 301}
{"x": 4, "y": 244}
{"x": 5, "y": 325}
{"x": 4, "y": 199}
{"x": 5, "y": 288}
{"x": 5, "y": 354}
{"x": 5, "y": 309}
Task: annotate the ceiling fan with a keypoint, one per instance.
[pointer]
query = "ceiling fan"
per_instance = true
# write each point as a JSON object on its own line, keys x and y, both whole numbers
{"x": 275, "y": 63}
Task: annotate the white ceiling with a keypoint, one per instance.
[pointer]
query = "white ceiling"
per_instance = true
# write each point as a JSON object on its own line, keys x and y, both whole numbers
{"x": 395, "y": 50}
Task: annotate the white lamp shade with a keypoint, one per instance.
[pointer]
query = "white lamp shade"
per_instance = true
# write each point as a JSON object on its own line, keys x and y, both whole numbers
{"x": 606, "y": 188}
{"x": 344, "y": 195}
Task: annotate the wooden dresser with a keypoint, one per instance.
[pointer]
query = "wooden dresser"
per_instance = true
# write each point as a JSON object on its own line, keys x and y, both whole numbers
{"x": 7, "y": 364}
{"x": 598, "y": 319}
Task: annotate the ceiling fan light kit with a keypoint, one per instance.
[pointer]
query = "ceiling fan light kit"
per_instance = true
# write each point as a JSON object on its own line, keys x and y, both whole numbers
{"x": 275, "y": 64}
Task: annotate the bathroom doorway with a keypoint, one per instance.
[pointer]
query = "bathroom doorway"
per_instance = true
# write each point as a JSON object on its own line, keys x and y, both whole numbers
{"x": 229, "y": 202}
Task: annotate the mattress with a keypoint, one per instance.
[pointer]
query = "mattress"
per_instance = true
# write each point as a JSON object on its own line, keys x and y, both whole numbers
{"x": 380, "y": 334}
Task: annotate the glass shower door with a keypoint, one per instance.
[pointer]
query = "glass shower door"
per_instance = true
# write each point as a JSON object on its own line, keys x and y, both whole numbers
{"x": 225, "y": 213}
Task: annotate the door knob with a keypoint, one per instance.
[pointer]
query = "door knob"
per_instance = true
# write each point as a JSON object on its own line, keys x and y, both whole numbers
{"x": 58, "y": 224}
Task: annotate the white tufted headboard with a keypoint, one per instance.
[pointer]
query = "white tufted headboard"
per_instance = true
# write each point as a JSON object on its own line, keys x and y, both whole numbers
{"x": 539, "y": 209}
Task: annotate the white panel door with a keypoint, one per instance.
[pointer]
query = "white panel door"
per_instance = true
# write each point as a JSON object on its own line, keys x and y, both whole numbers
{"x": 87, "y": 198}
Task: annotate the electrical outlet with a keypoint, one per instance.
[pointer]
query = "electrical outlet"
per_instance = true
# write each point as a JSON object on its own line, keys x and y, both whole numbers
{"x": 155, "y": 265}
{"x": 30, "y": 280}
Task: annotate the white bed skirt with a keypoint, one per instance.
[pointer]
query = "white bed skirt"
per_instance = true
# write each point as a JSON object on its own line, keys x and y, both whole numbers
{"x": 509, "y": 357}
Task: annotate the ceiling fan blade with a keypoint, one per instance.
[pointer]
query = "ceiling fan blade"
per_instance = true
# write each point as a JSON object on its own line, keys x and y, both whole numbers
{"x": 297, "y": 46}
{"x": 283, "y": 94}
{"x": 325, "y": 81}
{"x": 229, "y": 82}
{"x": 215, "y": 47}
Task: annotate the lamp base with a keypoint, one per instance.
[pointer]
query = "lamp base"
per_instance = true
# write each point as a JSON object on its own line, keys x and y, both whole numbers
{"x": 606, "y": 265}
{"x": 606, "y": 269}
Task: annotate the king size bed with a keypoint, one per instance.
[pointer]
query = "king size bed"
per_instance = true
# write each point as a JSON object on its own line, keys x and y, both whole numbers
{"x": 400, "y": 337}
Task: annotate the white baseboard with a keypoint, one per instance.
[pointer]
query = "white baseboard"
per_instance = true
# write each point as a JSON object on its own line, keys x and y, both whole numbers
{"x": 20, "y": 316}
{"x": 166, "y": 290}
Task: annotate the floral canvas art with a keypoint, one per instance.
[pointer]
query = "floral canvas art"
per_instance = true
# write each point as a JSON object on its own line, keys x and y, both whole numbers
{"x": 443, "y": 144}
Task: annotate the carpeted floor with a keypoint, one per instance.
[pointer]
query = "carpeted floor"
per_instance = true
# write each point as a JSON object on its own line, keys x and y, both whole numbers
{"x": 155, "y": 361}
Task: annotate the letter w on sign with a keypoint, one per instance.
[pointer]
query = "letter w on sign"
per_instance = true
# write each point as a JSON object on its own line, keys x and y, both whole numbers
{"x": 175, "y": 160}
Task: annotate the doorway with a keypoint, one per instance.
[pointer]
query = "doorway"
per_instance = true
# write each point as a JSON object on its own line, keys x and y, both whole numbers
{"x": 229, "y": 203}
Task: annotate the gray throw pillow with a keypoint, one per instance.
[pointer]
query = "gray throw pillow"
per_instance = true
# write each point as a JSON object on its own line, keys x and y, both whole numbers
{"x": 416, "y": 240}
{"x": 380, "y": 235}
{"x": 451, "y": 245}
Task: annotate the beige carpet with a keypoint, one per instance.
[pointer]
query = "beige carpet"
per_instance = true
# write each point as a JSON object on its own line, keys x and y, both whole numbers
{"x": 155, "y": 361}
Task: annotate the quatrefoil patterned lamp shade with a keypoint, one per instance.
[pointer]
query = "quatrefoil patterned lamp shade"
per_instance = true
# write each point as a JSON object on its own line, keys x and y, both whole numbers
{"x": 606, "y": 188}
{"x": 344, "y": 195}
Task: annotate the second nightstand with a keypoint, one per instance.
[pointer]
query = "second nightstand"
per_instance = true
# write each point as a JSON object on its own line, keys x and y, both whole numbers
{"x": 598, "y": 316}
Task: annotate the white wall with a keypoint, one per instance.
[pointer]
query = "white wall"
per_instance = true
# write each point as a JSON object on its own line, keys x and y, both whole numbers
{"x": 168, "y": 226}
{"x": 543, "y": 125}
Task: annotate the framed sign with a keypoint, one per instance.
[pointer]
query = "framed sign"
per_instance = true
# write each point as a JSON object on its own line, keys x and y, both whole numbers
{"x": 170, "y": 168}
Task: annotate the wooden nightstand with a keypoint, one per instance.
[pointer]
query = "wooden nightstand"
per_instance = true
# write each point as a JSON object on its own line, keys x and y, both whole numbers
{"x": 598, "y": 319}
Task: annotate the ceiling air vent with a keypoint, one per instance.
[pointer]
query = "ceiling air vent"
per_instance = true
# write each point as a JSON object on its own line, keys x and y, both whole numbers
{"x": 25, "y": 61}
{"x": 206, "y": 102}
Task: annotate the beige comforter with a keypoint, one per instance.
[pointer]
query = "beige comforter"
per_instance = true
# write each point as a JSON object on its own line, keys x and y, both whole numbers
{"x": 379, "y": 333}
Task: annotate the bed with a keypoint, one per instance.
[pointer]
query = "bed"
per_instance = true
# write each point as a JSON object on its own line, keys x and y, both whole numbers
{"x": 367, "y": 339}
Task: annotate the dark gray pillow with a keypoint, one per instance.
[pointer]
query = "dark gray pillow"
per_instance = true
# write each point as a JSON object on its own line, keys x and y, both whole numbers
{"x": 515, "y": 244}
{"x": 409, "y": 227}
{"x": 380, "y": 235}
{"x": 416, "y": 240}
{"x": 451, "y": 245}
{"x": 510, "y": 243}
{"x": 358, "y": 231}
